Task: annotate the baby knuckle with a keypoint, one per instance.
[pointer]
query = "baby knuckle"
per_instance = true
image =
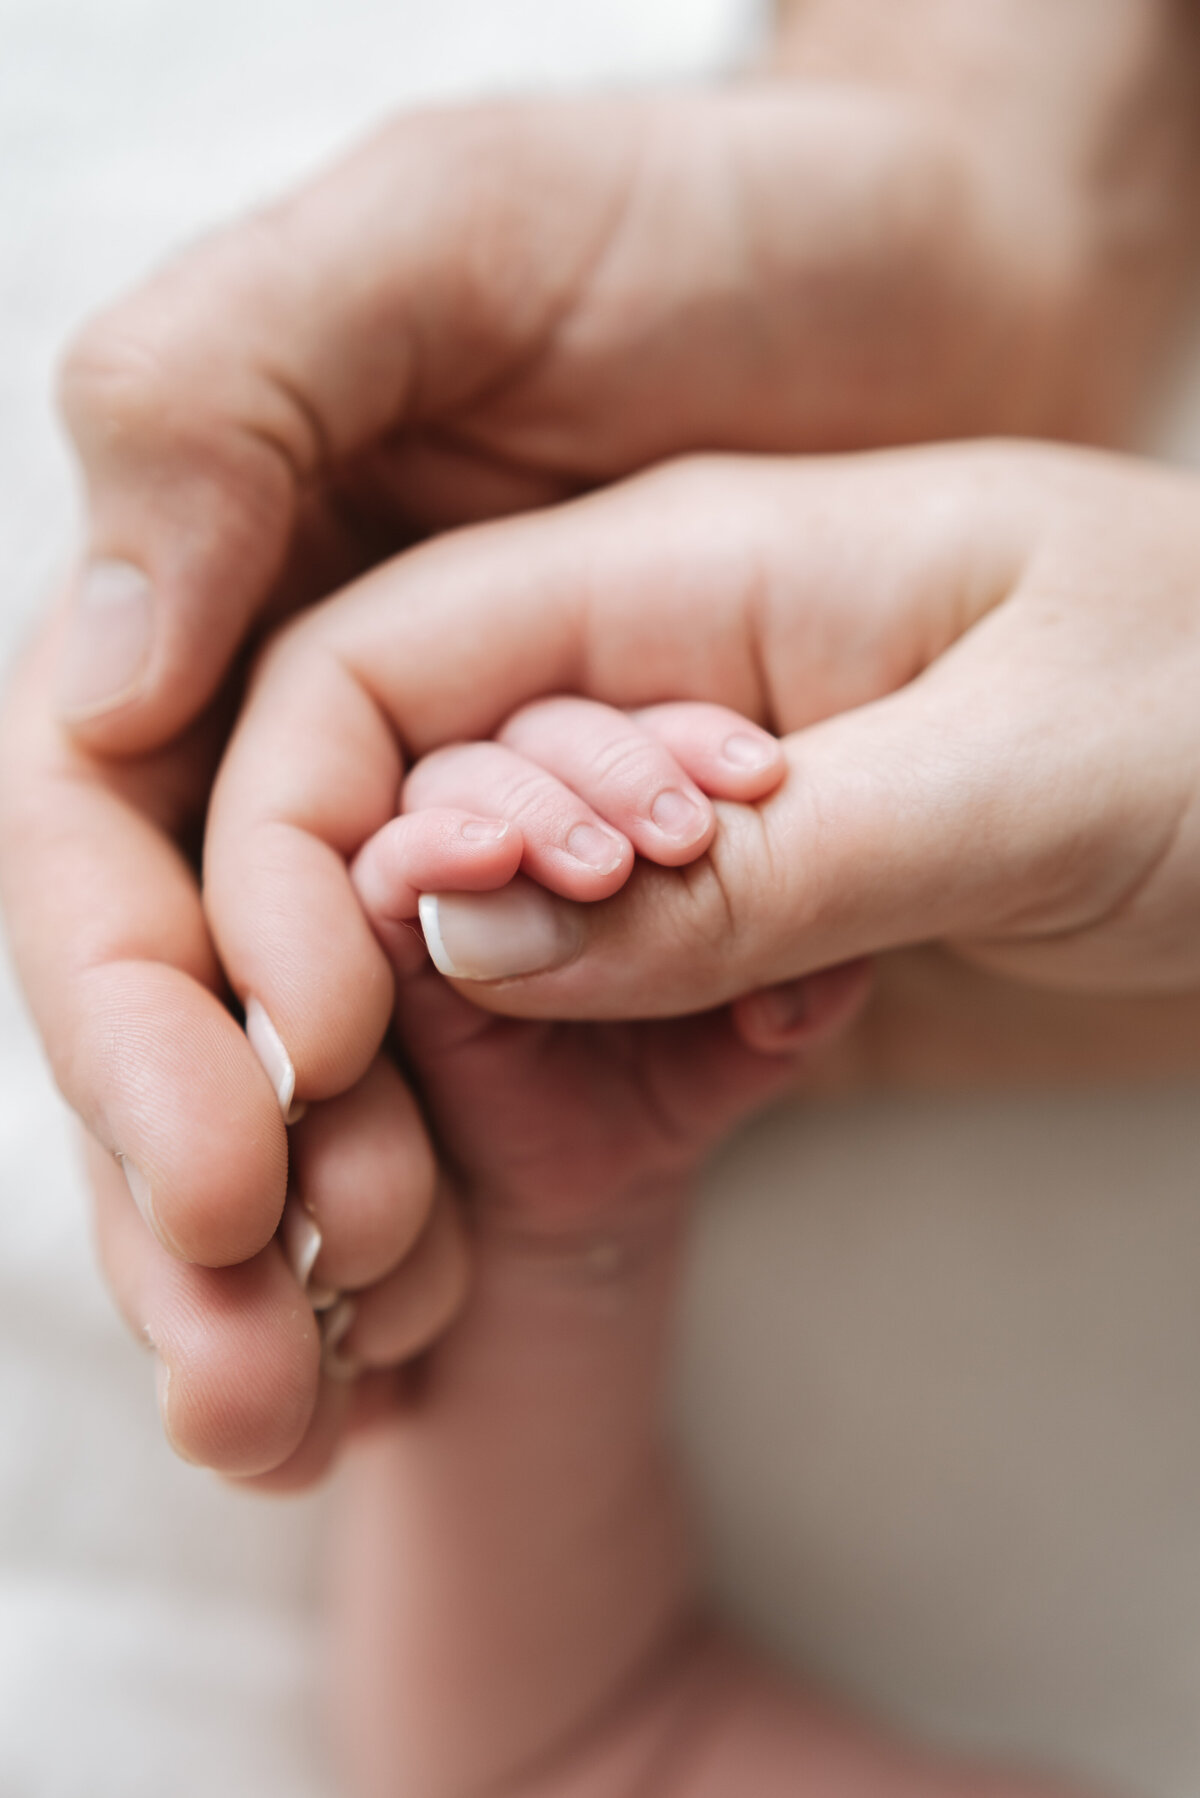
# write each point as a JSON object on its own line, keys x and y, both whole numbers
{"x": 629, "y": 762}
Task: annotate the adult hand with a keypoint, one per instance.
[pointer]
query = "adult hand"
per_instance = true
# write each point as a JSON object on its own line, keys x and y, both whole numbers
{"x": 483, "y": 310}
{"x": 478, "y": 311}
{"x": 984, "y": 660}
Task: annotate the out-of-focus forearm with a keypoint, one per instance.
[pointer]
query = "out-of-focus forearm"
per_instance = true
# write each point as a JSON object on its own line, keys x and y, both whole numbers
{"x": 1081, "y": 119}
{"x": 937, "y": 1025}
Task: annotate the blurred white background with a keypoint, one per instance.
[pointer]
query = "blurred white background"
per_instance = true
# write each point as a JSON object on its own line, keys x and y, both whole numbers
{"x": 940, "y": 1376}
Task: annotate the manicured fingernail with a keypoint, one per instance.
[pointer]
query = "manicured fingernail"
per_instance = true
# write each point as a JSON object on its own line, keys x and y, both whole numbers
{"x": 162, "y": 1380}
{"x": 108, "y": 639}
{"x": 301, "y": 1241}
{"x": 143, "y": 1198}
{"x": 595, "y": 848}
{"x": 484, "y": 830}
{"x": 302, "y": 1244}
{"x": 678, "y": 817}
{"x": 496, "y": 936}
{"x": 267, "y": 1044}
{"x": 335, "y": 1327}
{"x": 750, "y": 753}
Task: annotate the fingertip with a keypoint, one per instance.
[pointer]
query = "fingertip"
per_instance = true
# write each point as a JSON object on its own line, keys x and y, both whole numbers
{"x": 726, "y": 754}
{"x": 313, "y": 1460}
{"x": 752, "y": 764}
{"x": 803, "y": 1014}
{"x": 106, "y": 651}
{"x": 181, "y": 1105}
{"x": 364, "y": 1177}
{"x": 242, "y": 1356}
{"x": 316, "y": 984}
{"x": 435, "y": 849}
{"x": 402, "y": 1315}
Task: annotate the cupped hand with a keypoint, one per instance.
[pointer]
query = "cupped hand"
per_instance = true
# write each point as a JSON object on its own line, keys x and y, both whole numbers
{"x": 562, "y": 292}
{"x": 486, "y": 309}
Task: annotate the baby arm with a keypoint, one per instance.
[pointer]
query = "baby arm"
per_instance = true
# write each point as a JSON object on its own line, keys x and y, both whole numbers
{"x": 515, "y": 1600}
{"x": 510, "y": 814}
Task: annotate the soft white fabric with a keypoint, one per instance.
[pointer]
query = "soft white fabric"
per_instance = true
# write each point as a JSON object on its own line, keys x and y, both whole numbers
{"x": 942, "y": 1361}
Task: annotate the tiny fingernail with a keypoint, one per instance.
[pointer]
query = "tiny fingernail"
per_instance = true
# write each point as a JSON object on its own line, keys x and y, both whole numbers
{"x": 750, "y": 753}
{"x": 335, "y": 1327}
{"x": 108, "y": 639}
{"x": 784, "y": 1009}
{"x": 678, "y": 816}
{"x": 595, "y": 848}
{"x": 496, "y": 936}
{"x": 484, "y": 830}
{"x": 267, "y": 1044}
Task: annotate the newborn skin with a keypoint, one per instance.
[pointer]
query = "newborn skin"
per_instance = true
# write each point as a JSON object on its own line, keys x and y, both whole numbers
{"x": 515, "y": 1602}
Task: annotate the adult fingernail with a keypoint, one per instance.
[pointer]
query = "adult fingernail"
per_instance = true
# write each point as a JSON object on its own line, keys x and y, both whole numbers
{"x": 302, "y": 1244}
{"x": 678, "y": 816}
{"x": 162, "y": 1381}
{"x": 595, "y": 848}
{"x": 143, "y": 1198}
{"x": 335, "y": 1327}
{"x": 496, "y": 936}
{"x": 108, "y": 639}
{"x": 267, "y": 1044}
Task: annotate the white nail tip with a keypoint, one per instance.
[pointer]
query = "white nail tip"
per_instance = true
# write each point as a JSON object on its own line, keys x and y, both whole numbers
{"x": 267, "y": 1044}
{"x": 335, "y": 1327}
{"x": 518, "y": 929}
{"x": 139, "y": 1186}
{"x": 428, "y": 911}
{"x": 301, "y": 1241}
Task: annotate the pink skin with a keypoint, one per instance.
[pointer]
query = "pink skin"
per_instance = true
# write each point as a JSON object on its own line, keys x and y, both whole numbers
{"x": 512, "y": 1547}
{"x": 898, "y": 234}
{"x": 360, "y": 1170}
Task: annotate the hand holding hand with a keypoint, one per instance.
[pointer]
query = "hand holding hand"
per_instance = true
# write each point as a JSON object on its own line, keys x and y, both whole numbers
{"x": 985, "y": 662}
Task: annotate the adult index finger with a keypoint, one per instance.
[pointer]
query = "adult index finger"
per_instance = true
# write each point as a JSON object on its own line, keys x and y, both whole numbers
{"x": 111, "y": 946}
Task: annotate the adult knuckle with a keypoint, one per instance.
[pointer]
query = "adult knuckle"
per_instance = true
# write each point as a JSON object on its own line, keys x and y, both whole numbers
{"x": 112, "y": 382}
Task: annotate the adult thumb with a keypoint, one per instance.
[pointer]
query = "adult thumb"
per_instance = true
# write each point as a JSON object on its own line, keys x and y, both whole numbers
{"x": 193, "y": 454}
